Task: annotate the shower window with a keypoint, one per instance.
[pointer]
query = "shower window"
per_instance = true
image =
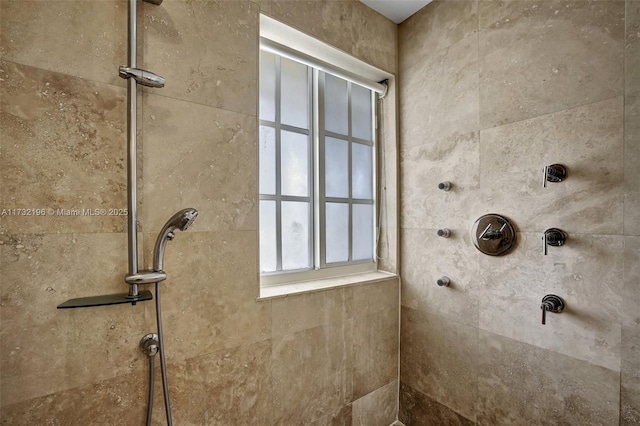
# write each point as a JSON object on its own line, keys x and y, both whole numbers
{"x": 316, "y": 172}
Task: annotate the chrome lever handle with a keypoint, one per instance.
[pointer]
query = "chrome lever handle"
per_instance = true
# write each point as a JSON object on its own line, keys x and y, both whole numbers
{"x": 551, "y": 303}
{"x": 553, "y": 173}
{"x": 544, "y": 308}
{"x": 553, "y": 237}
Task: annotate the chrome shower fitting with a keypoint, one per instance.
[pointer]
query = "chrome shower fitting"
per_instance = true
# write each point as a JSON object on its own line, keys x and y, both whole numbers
{"x": 444, "y": 233}
{"x": 149, "y": 344}
{"x": 553, "y": 173}
{"x": 146, "y": 78}
{"x": 551, "y": 303}
{"x": 445, "y": 186}
{"x": 181, "y": 220}
{"x": 553, "y": 237}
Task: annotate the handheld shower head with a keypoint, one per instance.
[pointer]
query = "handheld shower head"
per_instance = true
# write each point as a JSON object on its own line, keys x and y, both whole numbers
{"x": 181, "y": 220}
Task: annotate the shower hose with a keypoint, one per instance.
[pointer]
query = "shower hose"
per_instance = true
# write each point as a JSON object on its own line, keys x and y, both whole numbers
{"x": 163, "y": 368}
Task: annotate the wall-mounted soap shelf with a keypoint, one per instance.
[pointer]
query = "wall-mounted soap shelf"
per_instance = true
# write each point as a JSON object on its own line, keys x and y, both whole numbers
{"x": 106, "y": 299}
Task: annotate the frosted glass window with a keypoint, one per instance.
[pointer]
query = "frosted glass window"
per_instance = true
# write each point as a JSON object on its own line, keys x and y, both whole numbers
{"x": 295, "y": 235}
{"x": 361, "y": 169}
{"x": 361, "y": 112}
{"x": 294, "y": 151}
{"x": 294, "y": 93}
{"x": 267, "y": 158}
{"x": 362, "y": 231}
{"x": 267, "y": 86}
{"x": 315, "y": 212}
{"x": 336, "y": 168}
{"x": 337, "y": 232}
{"x": 268, "y": 242}
{"x": 336, "y": 100}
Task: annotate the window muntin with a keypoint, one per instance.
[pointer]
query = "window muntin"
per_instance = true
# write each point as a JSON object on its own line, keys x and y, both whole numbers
{"x": 317, "y": 164}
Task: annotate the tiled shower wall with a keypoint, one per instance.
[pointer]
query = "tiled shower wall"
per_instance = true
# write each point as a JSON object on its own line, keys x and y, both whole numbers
{"x": 322, "y": 358}
{"x": 490, "y": 93}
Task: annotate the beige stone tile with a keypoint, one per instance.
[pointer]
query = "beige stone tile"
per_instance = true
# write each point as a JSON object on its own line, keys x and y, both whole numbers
{"x": 585, "y": 272}
{"x": 387, "y": 196}
{"x": 199, "y": 157}
{"x": 300, "y": 312}
{"x": 632, "y": 164}
{"x": 438, "y": 358}
{"x": 587, "y": 140}
{"x": 629, "y": 400}
{"x": 436, "y": 26}
{"x": 209, "y": 297}
{"x": 439, "y": 98}
{"x": 57, "y": 36}
{"x": 630, "y": 371}
{"x": 342, "y": 417}
{"x": 523, "y": 384}
{"x": 44, "y": 350}
{"x": 204, "y": 58}
{"x": 379, "y": 408}
{"x": 630, "y": 312}
{"x": 418, "y": 409}
{"x": 375, "y": 38}
{"x": 632, "y": 46}
{"x": 63, "y": 143}
{"x": 327, "y": 20}
{"x": 375, "y": 352}
{"x": 214, "y": 388}
{"x": 265, "y": 6}
{"x": 306, "y": 386}
{"x": 422, "y": 168}
{"x": 388, "y": 127}
{"x": 371, "y": 298}
{"x": 428, "y": 257}
{"x": 103, "y": 403}
{"x": 540, "y": 57}
{"x": 388, "y": 250}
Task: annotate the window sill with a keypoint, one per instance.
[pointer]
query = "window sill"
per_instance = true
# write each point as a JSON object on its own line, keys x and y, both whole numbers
{"x": 285, "y": 290}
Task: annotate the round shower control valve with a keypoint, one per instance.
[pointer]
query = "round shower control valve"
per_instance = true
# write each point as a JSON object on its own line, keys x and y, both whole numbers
{"x": 493, "y": 234}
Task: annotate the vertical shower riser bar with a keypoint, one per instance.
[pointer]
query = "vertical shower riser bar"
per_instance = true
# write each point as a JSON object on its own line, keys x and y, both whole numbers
{"x": 132, "y": 147}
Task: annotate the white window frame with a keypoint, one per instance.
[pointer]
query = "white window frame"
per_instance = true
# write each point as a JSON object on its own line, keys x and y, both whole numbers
{"x": 273, "y": 34}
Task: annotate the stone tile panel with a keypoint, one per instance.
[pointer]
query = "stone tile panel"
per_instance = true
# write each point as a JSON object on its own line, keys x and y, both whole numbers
{"x": 525, "y": 71}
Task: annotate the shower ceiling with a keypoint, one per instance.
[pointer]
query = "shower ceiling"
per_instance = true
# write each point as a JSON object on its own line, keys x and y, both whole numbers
{"x": 396, "y": 10}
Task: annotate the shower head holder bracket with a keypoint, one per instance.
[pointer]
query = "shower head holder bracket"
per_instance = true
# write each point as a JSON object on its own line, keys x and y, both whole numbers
{"x": 146, "y": 277}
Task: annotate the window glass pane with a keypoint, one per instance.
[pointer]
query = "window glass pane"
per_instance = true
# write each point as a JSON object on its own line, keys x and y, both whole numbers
{"x": 335, "y": 104}
{"x": 362, "y": 231}
{"x": 295, "y": 235}
{"x": 267, "y": 143}
{"x": 268, "y": 257}
{"x": 361, "y": 171}
{"x": 267, "y": 86}
{"x": 294, "y": 164}
{"x": 336, "y": 168}
{"x": 294, "y": 93}
{"x": 361, "y": 113}
{"x": 337, "y": 232}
